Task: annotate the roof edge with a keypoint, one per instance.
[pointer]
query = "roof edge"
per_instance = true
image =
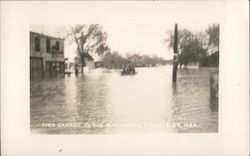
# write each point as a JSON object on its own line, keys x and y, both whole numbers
{"x": 47, "y": 36}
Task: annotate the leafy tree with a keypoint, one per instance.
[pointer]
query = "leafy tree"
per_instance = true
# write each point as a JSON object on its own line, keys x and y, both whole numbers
{"x": 89, "y": 39}
{"x": 213, "y": 36}
{"x": 115, "y": 60}
{"x": 195, "y": 47}
{"x": 183, "y": 37}
{"x": 212, "y": 47}
{"x": 189, "y": 46}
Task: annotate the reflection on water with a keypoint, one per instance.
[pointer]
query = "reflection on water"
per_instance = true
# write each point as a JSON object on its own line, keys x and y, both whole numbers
{"x": 104, "y": 102}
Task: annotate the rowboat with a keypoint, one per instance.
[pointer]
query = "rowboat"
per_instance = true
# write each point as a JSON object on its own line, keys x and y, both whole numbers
{"x": 128, "y": 73}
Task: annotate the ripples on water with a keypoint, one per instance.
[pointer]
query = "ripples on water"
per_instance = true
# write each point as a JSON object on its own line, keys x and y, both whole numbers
{"x": 148, "y": 101}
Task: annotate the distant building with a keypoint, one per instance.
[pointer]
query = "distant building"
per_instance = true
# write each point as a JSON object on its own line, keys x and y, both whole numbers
{"x": 213, "y": 50}
{"x": 98, "y": 64}
{"x": 46, "y": 55}
{"x": 69, "y": 66}
{"x": 88, "y": 62}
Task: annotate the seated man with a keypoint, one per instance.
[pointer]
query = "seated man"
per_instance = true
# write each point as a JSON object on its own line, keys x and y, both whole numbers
{"x": 124, "y": 69}
{"x": 130, "y": 68}
{"x": 133, "y": 69}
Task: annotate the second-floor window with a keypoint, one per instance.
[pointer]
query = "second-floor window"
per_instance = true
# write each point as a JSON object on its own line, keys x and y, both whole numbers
{"x": 37, "y": 44}
{"x": 48, "y": 45}
{"x": 57, "y": 45}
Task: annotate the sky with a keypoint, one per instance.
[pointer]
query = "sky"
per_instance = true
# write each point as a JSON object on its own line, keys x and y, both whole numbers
{"x": 144, "y": 38}
{"x": 138, "y": 38}
{"x": 131, "y": 27}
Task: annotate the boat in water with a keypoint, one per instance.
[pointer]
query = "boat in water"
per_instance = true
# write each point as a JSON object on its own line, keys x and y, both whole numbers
{"x": 130, "y": 70}
{"x": 127, "y": 73}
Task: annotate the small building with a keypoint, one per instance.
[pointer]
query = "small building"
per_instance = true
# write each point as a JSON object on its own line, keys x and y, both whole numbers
{"x": 98, "y": 64}
{"x": 46, "y": 55}
{"x": 88, "y": 62}
{"x": 69, "y": 66}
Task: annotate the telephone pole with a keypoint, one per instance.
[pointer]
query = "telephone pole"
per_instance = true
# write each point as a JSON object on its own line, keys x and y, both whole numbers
{"x": 175, "y": 59}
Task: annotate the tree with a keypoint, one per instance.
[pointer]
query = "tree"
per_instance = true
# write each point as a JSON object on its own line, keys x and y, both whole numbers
{"x": 213, "y": 36}
{"x": 212, "y": 50}
{"x": 196, "y": 47}
{"x": 115, "y": 60}
{"x": 189, "y": 46}
{"x": 89, "y": 39}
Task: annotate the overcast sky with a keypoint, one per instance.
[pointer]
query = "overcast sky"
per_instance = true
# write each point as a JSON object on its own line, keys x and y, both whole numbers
{"x": 131, "y": 27}
{"x": 126, "y": 38}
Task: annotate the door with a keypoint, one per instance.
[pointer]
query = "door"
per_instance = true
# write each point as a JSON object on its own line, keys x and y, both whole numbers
{"x": 36, "y": 68}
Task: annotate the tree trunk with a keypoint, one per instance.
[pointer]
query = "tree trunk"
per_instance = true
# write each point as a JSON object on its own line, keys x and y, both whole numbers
{"x": 82, "y": 69}
{"x": 82, "y": 62}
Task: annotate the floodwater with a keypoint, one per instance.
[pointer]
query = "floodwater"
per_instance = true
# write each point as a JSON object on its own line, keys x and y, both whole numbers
{"x": 104, "y": 102}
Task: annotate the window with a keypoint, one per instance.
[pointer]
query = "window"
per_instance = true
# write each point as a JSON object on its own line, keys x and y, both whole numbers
{"x": 37, "y": 44}
{"x": 57, "y": 45}
{"x": 48, "y": 45}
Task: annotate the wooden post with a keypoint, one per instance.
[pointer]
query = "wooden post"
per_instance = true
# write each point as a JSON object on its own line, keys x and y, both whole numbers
{"x": 175, "y": 59}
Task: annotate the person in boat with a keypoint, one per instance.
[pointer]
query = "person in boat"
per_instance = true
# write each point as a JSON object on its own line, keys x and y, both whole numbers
{"x": 133, "y": 69}
{"x": 130, "y": 69}
{"x": 124, "y": 69}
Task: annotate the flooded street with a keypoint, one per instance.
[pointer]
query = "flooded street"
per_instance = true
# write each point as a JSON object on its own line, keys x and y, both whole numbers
{"x": 104, "y": 102}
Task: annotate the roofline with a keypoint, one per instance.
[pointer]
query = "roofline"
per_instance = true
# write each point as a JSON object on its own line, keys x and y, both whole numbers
{"x": 46, "y": 35}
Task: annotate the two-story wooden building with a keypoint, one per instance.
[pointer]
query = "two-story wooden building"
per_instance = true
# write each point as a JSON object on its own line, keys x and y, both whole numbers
{"x": 46, "y": 55}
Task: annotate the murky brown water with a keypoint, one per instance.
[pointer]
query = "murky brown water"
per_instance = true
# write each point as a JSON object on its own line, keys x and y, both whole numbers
{"x": 104, "y": 102}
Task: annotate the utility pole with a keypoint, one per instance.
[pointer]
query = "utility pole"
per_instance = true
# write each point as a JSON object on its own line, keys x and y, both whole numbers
{"x": 175, "y": 59}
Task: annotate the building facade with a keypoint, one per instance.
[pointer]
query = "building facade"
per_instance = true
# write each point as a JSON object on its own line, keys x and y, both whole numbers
{"x": 46, "y": 55}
